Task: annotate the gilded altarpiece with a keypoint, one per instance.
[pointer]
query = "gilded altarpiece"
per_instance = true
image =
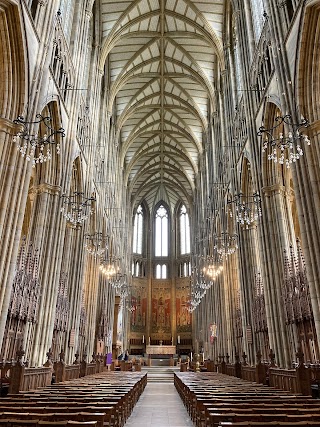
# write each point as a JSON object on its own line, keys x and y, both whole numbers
{"x": 182, "y": 313}
{"x": 161, "y": 308}
{"x": 139, "y": 301}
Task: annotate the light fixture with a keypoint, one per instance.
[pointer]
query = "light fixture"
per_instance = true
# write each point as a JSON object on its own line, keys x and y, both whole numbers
{"x": 76, "y": 208}
{"x": 95, "y": 243}
{"x": 225, "y": 244}
{"x": 33, "y": 146}
{"x": 199, "y": 285}
{"x": 248, "y": 208}
{"x": 131, "y": 301}
{"x": 284, "y": 140}
{"x": 108, "y": 266}
{"x": 213, "y": 270}
{"x": 118, "y": 281}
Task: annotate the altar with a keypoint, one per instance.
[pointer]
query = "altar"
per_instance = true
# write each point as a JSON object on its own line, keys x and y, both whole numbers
{"x": 160, "y": 355}
{"x": 161, "y": 349}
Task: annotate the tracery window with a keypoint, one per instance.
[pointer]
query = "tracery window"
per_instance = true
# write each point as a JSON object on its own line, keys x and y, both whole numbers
{"x": 161, "y": 271}
{"x": 184, "y": 231}
{"x": 137, "y": 269}
{"x": 161, "y": 232}
{"x": 137, "y": 231}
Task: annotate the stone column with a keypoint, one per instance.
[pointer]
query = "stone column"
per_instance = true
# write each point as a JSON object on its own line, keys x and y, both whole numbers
{"x": 275, "y": 240}
{"x": 47, "y": 233}
{"x": 91, "y": 301}
{"x": 306, "y": 186}
{"x": 15, "y": 174}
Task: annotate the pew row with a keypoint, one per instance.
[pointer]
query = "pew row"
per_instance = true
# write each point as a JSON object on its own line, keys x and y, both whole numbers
{"x": 105, "y": 399}
{"x": 214, "y": 399}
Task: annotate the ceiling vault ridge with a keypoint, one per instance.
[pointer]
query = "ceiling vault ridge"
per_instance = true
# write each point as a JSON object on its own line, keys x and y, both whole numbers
{"x": 162, "y": 57}
{"x": 181, "y": 151}
{"x": 152, "y": 157}
{"x": 140, "y": 131}
{"x": 150, "y": 186}
{"x": 150, "y": 168}
{"x": 114, "y": 33}
{"x": 167, "y": 107}
{"x": 162, "y": 66}
{"x": 126, "y": 77}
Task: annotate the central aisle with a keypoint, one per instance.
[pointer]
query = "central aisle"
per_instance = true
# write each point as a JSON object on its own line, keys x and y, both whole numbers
{"x": 159, "y": 406}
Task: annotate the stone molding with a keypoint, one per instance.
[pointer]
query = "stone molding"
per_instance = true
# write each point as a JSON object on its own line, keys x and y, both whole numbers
{"x": 46, "y": 188}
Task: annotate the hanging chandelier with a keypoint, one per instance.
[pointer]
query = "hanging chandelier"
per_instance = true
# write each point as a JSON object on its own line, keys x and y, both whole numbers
{"x": 76, "y": 208}
{"x": 213, "y": 270}
{"x": 34, "y": 147}
{"x": 248, "y": 208}
{"x": 131, "y": 303}
{"x": 95, "y": 243}
{"x": 199, "y": 285}
{"x": 124, "y": 289}
{"x": 108, "y": 266}
{"x": 225, "y": 244}
{"x": 118, "y": 281}
{"x": 284, "y": 140}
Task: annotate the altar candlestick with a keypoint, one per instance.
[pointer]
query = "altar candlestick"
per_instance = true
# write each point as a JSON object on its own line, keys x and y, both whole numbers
{"x": 142, "y": 339}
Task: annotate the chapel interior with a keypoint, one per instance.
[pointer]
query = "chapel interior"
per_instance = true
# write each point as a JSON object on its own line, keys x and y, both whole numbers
{"x": 159, "y": 198}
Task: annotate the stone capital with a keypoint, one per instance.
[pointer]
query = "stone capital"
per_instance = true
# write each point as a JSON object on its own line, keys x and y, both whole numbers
{"x": 8, "y": 126}
{"x": 46, "y": 188}
{"x": 271, "y": 190}
{"x": 314, "y": 128}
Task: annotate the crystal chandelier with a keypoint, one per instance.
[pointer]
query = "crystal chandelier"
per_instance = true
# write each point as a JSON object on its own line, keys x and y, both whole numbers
{"x": 117, "y": 281}
{"x": 124, "y": 292}
{"x": 34, "y": 147}
{"x": 76, "y": 208}
{"x": 284, "y": 140}
{"x": 95, "y": 243}
{"x": 248, "y": 208}
{"x": 108, "y": 269}
{"x": 108, "y": 266}
{"x": 131, "y": 302}
{"x": 198, "y": 288}
{"x": 213, "y": 270}
{"x": 225, "y": 244}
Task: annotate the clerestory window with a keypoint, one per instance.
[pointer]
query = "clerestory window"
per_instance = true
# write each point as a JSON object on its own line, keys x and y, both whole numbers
{"x": 184, "y": 231}
{"x": 138, "y": 231}
{"x": 161, "y": 232}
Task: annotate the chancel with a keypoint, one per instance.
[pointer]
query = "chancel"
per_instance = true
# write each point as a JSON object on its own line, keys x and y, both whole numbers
{"x": 159, "y": 212}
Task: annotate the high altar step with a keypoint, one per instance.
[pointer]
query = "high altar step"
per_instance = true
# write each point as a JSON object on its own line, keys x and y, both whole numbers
{"x": 160, "y": 374}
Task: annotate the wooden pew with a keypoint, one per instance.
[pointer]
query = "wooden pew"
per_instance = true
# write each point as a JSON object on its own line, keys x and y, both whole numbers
{"x": 103, "y": 399}
{"x": 214, "y": 399}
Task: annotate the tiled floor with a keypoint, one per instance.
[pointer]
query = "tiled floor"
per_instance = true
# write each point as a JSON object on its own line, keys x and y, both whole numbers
{"x": 159, "y": 406}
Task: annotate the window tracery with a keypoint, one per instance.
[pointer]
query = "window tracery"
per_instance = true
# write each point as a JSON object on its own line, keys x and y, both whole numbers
{"x": 161, "y": 232}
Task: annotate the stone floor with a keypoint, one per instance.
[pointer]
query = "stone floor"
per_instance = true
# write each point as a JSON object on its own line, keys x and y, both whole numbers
{"x": 159, "y": 406}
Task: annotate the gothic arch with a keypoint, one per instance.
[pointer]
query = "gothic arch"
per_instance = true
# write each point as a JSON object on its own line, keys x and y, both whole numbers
{"x": 308, "y": 76}
{"x": 49, "y": 172}
{"x": 272, "y": 173}
{"x": 13, "y": 65}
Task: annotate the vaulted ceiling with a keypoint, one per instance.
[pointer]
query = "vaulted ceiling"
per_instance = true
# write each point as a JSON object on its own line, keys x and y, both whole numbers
{"x": 162, "y": 56}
